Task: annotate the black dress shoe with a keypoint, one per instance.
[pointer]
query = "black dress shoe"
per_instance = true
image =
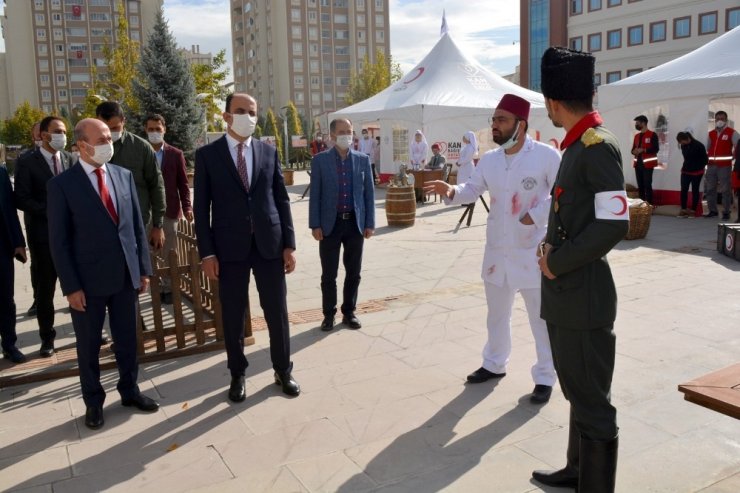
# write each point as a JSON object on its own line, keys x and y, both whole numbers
{"x": 351, "y": 321}
{"x": 711, "y": 214}
{"x": 327, "y": 324}
{"x": 14, "y": 355}
{"x": 166, "y": 298}
{"x": 32, "y": 310}
{"x": 482, "y": 375}
{"x": 142, "y": 403}
{"x": 94, "y": 417}
{"x": 541, "y": 394}
{"x": 290, "y": 386}
{"x": 47, "y": 349}
{"x": 236, "y": 390}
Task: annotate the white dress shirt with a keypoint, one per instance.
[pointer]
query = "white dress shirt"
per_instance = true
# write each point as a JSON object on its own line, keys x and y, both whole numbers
{"x": 47, "y": 155}
{"x": 246, "y": 152}
{"x": 90, "y": 172}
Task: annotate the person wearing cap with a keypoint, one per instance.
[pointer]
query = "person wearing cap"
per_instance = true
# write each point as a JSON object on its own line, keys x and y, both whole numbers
{"x": 588, "y": 217}
{"x": 465, "y": 164}
{"x": 720, "y": 143}
{"x": 645, "y": 157}
{"x": 438, "y": 160}
{"x": 518, "y": 176}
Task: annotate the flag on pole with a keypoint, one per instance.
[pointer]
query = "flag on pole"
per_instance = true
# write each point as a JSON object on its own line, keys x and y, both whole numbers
{"x": 443, "y": 28}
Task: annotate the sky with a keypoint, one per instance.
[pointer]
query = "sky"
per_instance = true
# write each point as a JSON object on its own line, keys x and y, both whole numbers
{"x": 488, "y": 29}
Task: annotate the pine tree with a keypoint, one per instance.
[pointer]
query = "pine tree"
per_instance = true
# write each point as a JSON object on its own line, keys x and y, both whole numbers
{"x": 272, "y": 129}
{"x": 295, "y": 127}
{"x": 165, "y": 86}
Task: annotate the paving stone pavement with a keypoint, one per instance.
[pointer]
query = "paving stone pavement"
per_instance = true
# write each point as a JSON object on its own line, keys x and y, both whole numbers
{"x": 385, "y": 408}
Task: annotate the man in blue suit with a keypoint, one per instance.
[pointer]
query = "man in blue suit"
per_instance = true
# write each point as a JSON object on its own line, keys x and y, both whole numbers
{"x": 243, "y": 224}
{"x": 12, "y": 245}
{"x": 99, "y": 246}
{"x": 341, "y": 213}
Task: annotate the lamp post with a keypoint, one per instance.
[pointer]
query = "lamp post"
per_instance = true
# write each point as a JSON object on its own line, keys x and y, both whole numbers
{"x": 284, "y": 115}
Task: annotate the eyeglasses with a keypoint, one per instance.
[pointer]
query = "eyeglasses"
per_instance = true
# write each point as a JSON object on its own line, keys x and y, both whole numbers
{"x": 499, "y": 119}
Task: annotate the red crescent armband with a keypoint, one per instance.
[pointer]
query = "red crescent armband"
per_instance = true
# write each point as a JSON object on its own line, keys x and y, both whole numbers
{"x": 611, "y": 205}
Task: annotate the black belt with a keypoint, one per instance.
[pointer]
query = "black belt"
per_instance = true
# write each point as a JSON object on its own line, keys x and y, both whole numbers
{"x": 346, "y": 215}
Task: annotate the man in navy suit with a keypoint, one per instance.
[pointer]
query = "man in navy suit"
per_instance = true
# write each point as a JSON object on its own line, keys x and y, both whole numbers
{"x": 341, "y": 213}
{"x": 99, "y": 246}
{"x": 243, "y": 224}
{"x": 32, "y": 171}
{"x": 12, "y": 245}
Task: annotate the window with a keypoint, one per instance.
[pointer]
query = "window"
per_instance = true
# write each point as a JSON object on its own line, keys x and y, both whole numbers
{"x": 342, "y": 65}
{"x": 597, "y": 80}
{"x": 576, "y": 43}
{"x": 633, "y": 71}
{"x": 58, "y": 34}
{"x": 708, "y": 23}
{"x": 40, "y": 18}
{"x": 298, "y": 81}
{"x": 62, "y": 93}
{"x": 135, "y": 36}
{"x": 295, "y": 14}
{"x": 328, "y": 81}
{"x": 361, "y": 20}
{"x": 313, "y": 17}
{"x": 45, "y": 95}
{"x": 297, "y": 32}
{"x": 38, "y": 4}
{"x": 133, "y": 7}
{"x": 378, "y": 4}
{"x": 361, "y": 35}
{"x": 79, "y": 78}
{"x": 657, "y": 31}
{"x": 613, "y": 39}
{"x": 314, "y": 64}
{"x": 613, "y": 3}
{"x": 379, "y": 20}
{"x": 340, "y": 18}
{"x": 44, "y": 80}
{"x": 576, "y": 7}
{"x": 613, "y": 76}
{"x": 59, "y": 63}
{"x": 732, "y": 18}
{"x": 360, "y": 4}
{"x": 297, "y": 47}
{"x": 133, "y": 20}
{"x": 62, "y": 79}
{"x": 56, "y": 18}
{"x": 681, "y": 27}
{"x": 594, "y": 42}
{"x": 341, "y": 34}
{"x": 78, "y": 93}
{"x": 379, "y": 36}
{"x": 361, "y": 52}
{"x": 314, "y": 49}
{"x": 313, "y": 33}
{"x": 40, "y": 33}
{"x": 325, "y": 17}
{"x": 315, "y": 98}
{"x": 58, "y": 48}
{"x": 43, "y": 49}
{"x": 326, "y": 33}
{"x": 100, "y": 16}
{"x": 297, "y": 65}
{"x": 341, "y": 50}
{"x": 342, "y": 4}
{"x": 594, "y": 5}
{"x": 328, "y": 97}
{"x": 635, "y": 35}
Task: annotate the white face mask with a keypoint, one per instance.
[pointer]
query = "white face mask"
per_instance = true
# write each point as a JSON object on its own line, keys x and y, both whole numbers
{"x": 58, "y": 141}
{"x": 155, "y": 137}
{"x": 344, "y": 141}
{"x": 720, "y": 124}
{"x": 243, "y": 125}
{"x": 103, "y": 153}
{"x": 512, "y": 141}
{"x": 116, "y": 136}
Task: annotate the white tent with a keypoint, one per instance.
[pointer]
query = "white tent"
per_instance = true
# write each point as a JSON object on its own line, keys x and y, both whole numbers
{"x": 445, "y": 95}
{"x": 676, "y": 96}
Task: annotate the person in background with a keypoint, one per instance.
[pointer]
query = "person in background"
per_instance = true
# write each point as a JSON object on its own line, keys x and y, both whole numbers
{"x": 171, "y": 163}
{"x": 720, "y": 144}
{"x": 418, "y": 149}
{"x": 437, "y": 161}
{"x": 694, "y": 162}
{"x": 376, "y": 160}
{"x": 645, "y": 147}
{"x": 75, "y": 151}
{"x": 317, "y": 144}
{"x": 465, "y": 165}
{"x": 367, "y": 145}
{"x": 37, "y": 142}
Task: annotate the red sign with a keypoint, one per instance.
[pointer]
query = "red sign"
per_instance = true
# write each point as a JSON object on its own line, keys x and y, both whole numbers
{"x": 76, "y": 10}
{"x": 79, "y": 53}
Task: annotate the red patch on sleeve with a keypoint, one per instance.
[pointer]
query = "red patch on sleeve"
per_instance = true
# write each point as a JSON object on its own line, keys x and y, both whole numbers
{"x": 558, "y": 192}
{"x": 516, "y": 206}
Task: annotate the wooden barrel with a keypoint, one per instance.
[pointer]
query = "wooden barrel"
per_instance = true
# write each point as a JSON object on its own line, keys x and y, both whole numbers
{"x": 400, "y": 206}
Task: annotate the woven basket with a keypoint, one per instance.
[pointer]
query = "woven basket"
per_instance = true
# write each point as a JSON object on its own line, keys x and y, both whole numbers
{"x": 640, "y": 216}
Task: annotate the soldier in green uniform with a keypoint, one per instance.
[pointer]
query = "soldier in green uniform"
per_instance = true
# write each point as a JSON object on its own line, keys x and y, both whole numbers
{"x": 588, "y": 216}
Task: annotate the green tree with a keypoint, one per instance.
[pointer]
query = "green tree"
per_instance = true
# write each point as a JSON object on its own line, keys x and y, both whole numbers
{"x": 372, "y": 77}
{"x": 165, "y": 85}
{"x": 16, "y": 130}
{"x": 209, "y": 80}
{"x": 295, "y": 127}
{"x": 272, "y": 128}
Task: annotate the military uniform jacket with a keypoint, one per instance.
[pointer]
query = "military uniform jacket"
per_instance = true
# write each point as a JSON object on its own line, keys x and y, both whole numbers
{"x": 588, "y": 217}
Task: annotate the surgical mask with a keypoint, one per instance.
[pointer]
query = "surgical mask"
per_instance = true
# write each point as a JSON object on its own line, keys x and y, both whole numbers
{"x": 116, "y": 136}
{"x": 103, "y": 153}
{"x": 512, "y": 141}
{"x": 58, "y": 141}
{"x": 344, "y": 141}
{"x": 243, "y": 125}
{"x": 720, "y": 124}
{"x": 155, "y": 137}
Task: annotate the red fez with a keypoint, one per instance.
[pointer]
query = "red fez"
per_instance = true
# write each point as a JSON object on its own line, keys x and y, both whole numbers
{"x": 519, "y": 107}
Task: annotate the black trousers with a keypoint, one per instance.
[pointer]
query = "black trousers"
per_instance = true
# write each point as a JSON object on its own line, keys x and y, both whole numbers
{"x": 44, "y": 281}
{"x": 693, "y": 181}
{"x": 346, "y": 234}
{"x": 7, "y": 302}
{"x": 584, "y": 361}
{"x": 269, "y": 274}
{"x": 645, "y": 182}
{"x": 88, "y": 326}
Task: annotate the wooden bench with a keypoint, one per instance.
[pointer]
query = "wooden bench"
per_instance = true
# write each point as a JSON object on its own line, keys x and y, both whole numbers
{"x": 719, "y": 391}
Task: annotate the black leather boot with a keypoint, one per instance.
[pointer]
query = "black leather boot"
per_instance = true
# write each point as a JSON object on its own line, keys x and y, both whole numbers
{"x": 598, "y": 470}
{"x": 566, "y": 477}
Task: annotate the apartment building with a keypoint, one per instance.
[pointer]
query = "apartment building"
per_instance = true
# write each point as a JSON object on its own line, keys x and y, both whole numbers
{"x": 51, "y": 46}
{"x": 625, "y": 36}
{"x": 304, "y": 50}
{"x": 193, "y": 56}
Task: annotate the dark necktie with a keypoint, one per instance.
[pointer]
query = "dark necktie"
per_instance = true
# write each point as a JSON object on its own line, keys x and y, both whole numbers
{"x": 105, "y": 195}
{"x": 241, "y": 165}
{"x": 55, "y": 162}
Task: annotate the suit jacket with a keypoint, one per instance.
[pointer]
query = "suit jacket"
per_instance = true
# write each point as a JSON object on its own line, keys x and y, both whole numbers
{"x": 86, "y": 245}
{"x": 322, "y": 208}
{"x": 176, "y": 188}
{"x": 226, "y": 214}
{"x": 11, "y": 235}
{"x": 31, "y": 174}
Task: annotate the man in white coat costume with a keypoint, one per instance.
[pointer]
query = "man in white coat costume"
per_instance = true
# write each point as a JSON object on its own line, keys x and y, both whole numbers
{"x": 519, "y": 176}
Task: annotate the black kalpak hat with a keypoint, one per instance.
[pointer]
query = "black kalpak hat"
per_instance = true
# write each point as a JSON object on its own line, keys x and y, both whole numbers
{"x": 567, "y": 74}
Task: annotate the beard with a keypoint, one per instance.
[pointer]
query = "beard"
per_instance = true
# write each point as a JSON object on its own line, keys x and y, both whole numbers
{"x": 502, "y": 138}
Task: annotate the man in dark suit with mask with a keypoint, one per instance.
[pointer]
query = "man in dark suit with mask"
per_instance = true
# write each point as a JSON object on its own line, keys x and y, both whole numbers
{"x": 243, "y": 224}
{"x": 33, "y": 170}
